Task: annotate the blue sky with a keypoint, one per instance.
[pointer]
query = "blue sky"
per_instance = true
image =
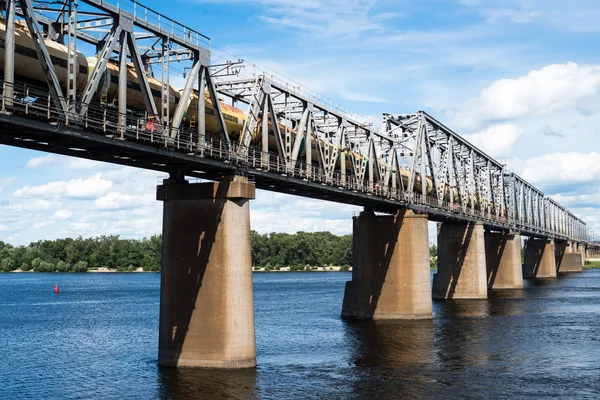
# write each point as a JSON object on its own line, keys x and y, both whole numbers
{"x": 520, "y": 79}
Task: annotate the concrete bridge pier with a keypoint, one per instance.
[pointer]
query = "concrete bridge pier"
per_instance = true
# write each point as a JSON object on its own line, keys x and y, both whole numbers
{"x": 503, "y": 260}
{"x": 569, "y": 257}
{"x": 206, "y": 299}
{"x": 390, "y": 273}
{"x": 540, "y": 261}
{"x": 461, "y": 262}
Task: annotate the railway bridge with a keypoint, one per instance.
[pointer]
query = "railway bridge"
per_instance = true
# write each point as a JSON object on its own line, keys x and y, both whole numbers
{"x": 240, "y": 132}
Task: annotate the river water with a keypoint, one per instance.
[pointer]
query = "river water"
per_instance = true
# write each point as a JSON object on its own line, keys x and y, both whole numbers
{"x": 98, "y": 339}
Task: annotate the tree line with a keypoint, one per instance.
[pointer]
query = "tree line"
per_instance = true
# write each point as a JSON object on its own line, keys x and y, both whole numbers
{"x": 300, "y": 251}
{"x": 78, "y": 255}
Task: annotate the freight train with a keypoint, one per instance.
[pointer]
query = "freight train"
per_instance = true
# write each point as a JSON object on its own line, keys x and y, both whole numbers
{"x": 28, "y": 69}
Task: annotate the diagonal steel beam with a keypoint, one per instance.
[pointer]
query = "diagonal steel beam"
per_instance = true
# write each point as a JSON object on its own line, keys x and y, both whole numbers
{"x": 299, "y": 136}
{"x": 276, "y": 128}
{"x": 99, "y": 68}
{"x": 43, "y": 55}
{"x": 141, "y": 73}
{"x": 185, "y": 98}
{"x": 216, "y": 105}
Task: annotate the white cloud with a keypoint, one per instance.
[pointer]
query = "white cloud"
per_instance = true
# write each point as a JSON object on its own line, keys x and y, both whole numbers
{"x": 497, "y": 141}
{"x": 301, "y": 214}
{"x": 578, "y": 200}
{"x": 74, "y": 189}
{"x": 62, "y": 215}
{"x": 117, "y": 201}
{"x": 120, "y": 201}
{"x": 554, "y": 88}
{"x": 556, "y": 168}
{"x": 37, "y": 205}
{"x": 62, "y": 162}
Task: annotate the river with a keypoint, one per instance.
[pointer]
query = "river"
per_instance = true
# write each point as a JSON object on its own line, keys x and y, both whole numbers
{"x": 98, "y": 338}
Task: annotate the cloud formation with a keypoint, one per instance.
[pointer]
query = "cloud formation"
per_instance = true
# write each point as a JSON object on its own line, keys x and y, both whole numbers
{"x": 87, "y": 188}
{"x": 63, "y": 162}
{"x": 551, "y": 89}
{"x": 498, "y": 141}
{"x": 557, "y": 168}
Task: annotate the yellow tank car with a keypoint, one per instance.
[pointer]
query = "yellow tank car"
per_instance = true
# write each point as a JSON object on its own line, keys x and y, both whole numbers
{"x": 27, "y": 66}
{"x": 108, "y": 88}
{"x": 234, "y": 117}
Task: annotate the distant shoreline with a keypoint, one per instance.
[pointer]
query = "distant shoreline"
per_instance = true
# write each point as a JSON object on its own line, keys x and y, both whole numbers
{"x": 114, "y": 271}
{"x": 93, "y": 271}
{"x": 333, "y": 268}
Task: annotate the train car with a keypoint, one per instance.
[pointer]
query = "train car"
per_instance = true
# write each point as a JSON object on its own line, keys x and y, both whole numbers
{"x": 108, "y": 88}
{"x": 234, "y": 117}
{"x": 27, "y": 66}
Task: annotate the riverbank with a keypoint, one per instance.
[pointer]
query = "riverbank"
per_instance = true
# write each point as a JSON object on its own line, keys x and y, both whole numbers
{"x": 91, "y": 270}
{"x": 303, "y": 269}
{"x": 140, "y": 270}
{"x": 111, "y": 270}
{"x": 593, "y": 263}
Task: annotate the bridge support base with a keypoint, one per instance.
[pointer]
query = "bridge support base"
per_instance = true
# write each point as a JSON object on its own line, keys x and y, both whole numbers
{"x": 206, "y": 300}
{"x": 390, "y": 274}
{"x": 461, "y": 262}
{"x": 568, "y": 258}
{"x": 503, "y": 261}
{"x": 539, "y": 259}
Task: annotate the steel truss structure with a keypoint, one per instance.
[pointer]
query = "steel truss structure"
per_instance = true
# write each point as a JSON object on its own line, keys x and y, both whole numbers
{"x": 125, "y": 32}
{"x": 413, "y": 161}
{"x": 452, "y": 162}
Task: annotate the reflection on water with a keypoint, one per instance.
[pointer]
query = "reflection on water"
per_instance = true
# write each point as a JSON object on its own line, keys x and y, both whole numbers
{"x": 98, "y": 340}
{"x": 463, "y": 308}
{"x": 392, "y": 343}
{"x": 189, "y": 383}
{"x": 506, "y": 302}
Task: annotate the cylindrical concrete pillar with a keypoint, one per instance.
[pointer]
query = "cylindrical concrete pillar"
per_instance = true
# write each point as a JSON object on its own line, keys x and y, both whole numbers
{"x": 540, "y": 261}
{"x": 503, "y": 260}
{"x": 461, "y": 262}
{"x": 206, "y": 301}
{"x": 390, "y": 275}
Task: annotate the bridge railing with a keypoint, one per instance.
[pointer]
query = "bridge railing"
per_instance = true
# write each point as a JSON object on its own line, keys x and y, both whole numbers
{"x": 37, "y": 104}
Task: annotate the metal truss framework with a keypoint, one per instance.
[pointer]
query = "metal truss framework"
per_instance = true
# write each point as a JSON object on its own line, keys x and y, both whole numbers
{"x": 340, "y": 144}
{"x": 126, "y": 33}
{"x": 460, "y": 176}
{"x": 414, "y": 159}
{"x": 481, "y": 182}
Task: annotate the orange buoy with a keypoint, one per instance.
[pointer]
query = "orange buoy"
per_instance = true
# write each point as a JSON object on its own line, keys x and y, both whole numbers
{"x": 56, "y": 289}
